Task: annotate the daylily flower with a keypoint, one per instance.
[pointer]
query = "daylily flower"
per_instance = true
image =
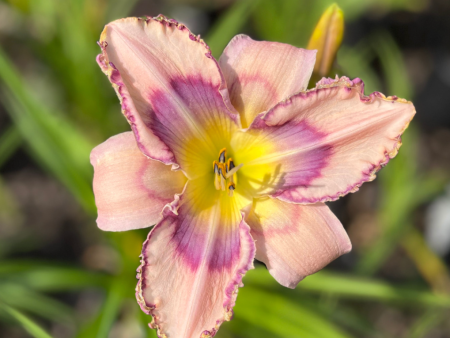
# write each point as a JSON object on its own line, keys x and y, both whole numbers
{"x": 232, "y": 160}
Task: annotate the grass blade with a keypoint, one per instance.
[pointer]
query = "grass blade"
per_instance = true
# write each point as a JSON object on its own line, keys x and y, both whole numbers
{"x": 229, "y": 25}
{"x": 110, "y": 309}
{"x": 53, "y": 141}
{"x": 30, "y": 326}
{"x": 354, "y": 288}
{"x": 393, "y": 66}
{"x": 10, "y": 140}
{"x": 119, "y": 9}
{"x": 25, "y": 299}
{"x": 355, "y": 62}
{"x": 287, "y": 318}
{"x": 50, "y": 278}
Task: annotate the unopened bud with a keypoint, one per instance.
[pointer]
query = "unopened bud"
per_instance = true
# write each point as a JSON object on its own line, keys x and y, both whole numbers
{"x": 327, "y": 38}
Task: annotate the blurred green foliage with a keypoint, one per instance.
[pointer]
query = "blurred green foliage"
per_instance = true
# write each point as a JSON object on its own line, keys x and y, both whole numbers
{"x": 61, "y": 106}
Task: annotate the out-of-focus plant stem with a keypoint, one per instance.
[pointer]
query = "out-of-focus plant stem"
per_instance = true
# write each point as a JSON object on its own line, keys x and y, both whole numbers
{"x": 430, "y": 266}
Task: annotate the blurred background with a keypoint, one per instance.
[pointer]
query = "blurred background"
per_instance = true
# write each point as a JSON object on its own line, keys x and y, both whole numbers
{"x": 61, "y": 277}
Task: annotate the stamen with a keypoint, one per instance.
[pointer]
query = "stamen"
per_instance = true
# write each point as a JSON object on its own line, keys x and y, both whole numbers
{"x": 222, "y": 155}
{"x": 230, "y": 164}
{"x": 231, "y": 188}
{"x": 233, "y": 171}
{"x": 222, "y": 180}
{"x": 216, "y": 176}
{"x": 223, "y": 173}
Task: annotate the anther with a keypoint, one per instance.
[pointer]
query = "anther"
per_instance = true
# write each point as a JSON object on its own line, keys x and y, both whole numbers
{"x": 230, "y": 164}
{"x": 222, "y": 155}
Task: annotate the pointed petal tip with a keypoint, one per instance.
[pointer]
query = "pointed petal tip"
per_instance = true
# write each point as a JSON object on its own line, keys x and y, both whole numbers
{"x": 384, "y": 120}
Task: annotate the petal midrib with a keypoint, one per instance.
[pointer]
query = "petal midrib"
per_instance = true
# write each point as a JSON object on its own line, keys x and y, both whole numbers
{"x": 201, "y": 272}
{"x": 336, "y": 137}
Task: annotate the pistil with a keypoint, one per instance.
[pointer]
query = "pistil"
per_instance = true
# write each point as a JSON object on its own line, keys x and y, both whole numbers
{"x": 233, "y": 171}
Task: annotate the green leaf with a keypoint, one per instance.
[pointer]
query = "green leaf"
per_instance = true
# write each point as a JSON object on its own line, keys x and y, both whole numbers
{"x": 288, "y": 318}
{"x": 403, "y": 188}
{"x": 10, "y": 141}
{"x": 49, "y": 151}
{"x": 111, "y": 308}
{"x": 346, "y": 316}
{"x": 355, "y": 62}
{"x": 27, "y": 324}
{"x": 229, "y": 25}
{"x": 101, "y": 325}
{"x": 429, "y": 320}
{"x": 51, "y": 278}
{"x": 393, "y": 66}
{"x": 238, "y": 327}
{"x": 354, "y": 288}
{"x": 289, "y": 21}
{"x": 118, "y": 9}
{"x": 23, "y": 298}
{"x": 52, "y": 141}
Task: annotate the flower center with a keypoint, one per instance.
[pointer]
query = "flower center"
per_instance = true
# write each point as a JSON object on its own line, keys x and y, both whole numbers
{"x": 224, "y": 173}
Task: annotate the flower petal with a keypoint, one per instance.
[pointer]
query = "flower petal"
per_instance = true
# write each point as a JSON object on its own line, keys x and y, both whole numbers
{"x": 322, "y": 144}
{"x": 130, "y": 189}
{"x": 260, "y": 74}
{"x": 295, "y": 240}
{"x": 171, "y": 88}
{"x": 193, "y": 263}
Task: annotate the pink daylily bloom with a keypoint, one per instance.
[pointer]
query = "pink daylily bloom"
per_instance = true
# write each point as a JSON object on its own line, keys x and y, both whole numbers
{"x": 232, "y": 160}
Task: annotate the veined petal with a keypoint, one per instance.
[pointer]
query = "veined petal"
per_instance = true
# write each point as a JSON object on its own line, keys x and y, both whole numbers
{"x": 193, "y": 262}
{"x": 260, "y": 74}
{"x": 295, "y": 240}
{"x": 130, "y": 189}
{"x": 171, "y": 88}
{"x": 324, "y": 143}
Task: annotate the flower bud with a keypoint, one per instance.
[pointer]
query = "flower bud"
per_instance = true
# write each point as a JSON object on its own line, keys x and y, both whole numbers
{"x": 327, "y": 38}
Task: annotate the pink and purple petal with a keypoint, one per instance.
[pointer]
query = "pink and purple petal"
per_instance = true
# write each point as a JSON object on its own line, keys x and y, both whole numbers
{"x": 295, "y": 240}
{"x": 171, "y": 88}
{"x": 259, "y": 74}
{"x": 131, "y": 189}
{"x": 193, "y": 263}
{"x": 324, "y": 143}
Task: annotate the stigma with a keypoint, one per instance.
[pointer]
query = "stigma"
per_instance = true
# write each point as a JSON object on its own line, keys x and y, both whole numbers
{"x": 224, "y": 173}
